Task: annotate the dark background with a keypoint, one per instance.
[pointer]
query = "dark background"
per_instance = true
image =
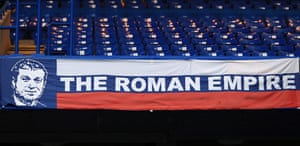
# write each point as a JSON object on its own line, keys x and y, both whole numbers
{"x": 145, "y": 128}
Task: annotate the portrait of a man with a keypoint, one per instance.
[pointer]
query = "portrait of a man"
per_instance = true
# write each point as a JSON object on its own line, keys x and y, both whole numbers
{"x": 29, "y": 78}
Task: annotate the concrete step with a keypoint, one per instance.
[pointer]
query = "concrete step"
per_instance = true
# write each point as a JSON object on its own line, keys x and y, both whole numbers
{"x": 26, "y": 47}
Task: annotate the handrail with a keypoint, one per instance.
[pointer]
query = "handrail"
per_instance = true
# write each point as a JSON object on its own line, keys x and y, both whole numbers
{"x": 71, "y": 26}
{"x": 17, "y": 27}
{"x": 38, "y": 47}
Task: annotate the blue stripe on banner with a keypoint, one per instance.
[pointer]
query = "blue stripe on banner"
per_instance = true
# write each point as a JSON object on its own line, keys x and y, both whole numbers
{"x": 161, "y": 84}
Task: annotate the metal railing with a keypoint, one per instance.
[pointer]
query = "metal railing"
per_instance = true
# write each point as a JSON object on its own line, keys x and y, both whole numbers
{"x": 18, "y": 3}
{"x": 16, "y": 26}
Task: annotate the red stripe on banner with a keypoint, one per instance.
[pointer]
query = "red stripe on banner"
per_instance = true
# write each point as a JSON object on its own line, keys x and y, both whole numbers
{"x": 178, "y": 101}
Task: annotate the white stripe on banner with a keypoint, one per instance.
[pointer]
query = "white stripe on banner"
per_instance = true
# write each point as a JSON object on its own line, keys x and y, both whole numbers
{"x": 70, "y": 67}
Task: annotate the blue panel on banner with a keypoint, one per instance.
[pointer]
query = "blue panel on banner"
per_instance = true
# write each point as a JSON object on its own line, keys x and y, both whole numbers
{"x": 26, "y": 83}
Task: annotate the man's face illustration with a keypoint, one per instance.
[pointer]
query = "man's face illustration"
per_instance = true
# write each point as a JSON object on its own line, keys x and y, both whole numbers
{"x": 30, "y": 83}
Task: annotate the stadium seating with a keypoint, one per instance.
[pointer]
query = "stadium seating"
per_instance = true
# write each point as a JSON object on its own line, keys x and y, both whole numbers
{"x": 203, "y": 28}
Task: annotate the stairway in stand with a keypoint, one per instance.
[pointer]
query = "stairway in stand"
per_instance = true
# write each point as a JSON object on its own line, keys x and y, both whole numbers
{"x": 26, "y": 47}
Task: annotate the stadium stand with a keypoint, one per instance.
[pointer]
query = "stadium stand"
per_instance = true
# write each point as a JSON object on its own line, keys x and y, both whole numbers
{"x": 148, "y": 29}
{"x": 93, "y": 30}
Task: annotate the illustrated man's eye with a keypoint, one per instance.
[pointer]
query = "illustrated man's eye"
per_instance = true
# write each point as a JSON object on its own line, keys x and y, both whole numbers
{"x": 25, "y": 78}
{"x": 38, "y": 80}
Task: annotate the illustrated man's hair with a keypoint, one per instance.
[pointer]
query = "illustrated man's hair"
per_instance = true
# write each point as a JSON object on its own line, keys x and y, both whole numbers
{"x": 28, "y": 64}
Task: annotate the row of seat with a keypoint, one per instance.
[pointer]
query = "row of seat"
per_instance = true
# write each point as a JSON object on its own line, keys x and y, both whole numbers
{"x": 163, "y": 35}
{"x": 136, "y": 36}
{"x": 286, "y": 5}
{"x": 208, "y": 25}
{"x": 130, "y": 36}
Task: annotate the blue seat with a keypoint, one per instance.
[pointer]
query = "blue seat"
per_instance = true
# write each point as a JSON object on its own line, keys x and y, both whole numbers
{"x": 282, "y": 5}
{"x": 130, "y": 41}
{"x": 106, "y": 41}
{"x": 107, "y": 50}
{"x": 157, "y": 47}
{"x": 294, "y": 22}
{"x": 178, "y": 41}
{"x": 114, "y": 4}
{"x": 215, "y": 54}
{"x": 83, "y": 50}
{"x": 107, "y": 53}
{"x": 257, "y": 48}
{"x": 240, "y": 5}
{"x": 230, "y": 41}
{"x": 263, "y": 53}
{"x": 276, "y": 21}
{"x": 248, "y": 35}
{"x": 177, "y": 4}
{"x": 239, "y": 29}
{"x": 157, "y": 41}
{"x": 149, "y": 30}
{"x": 279, "y": 29}
{"x": 175, "y": 29}
{"x": 103, "y": 19}
{"x": 282, "y": 48}
{"x": 255, "y": 41}
{"x": 133, "y": 4}
{"x": 224, "y": 36}
{"x": 200, "y": 6}
{"x": 204, "y": 41}
{"x": 288, "y": 54}
{"x": 206, "y": 48}
{"x": 233, "y": 22}
{"x": 105, "y": 33}
{"x": 217, "y": 29}
{"x": 143, "y": 25}
{"x": 210, "y": 21}
{"x": 189, "y": 21}
{"x": 237, "y": 53}
{"x": 182, "y": 47}
{"x": 185, "y": 53}
{"x": 157, "y": 4}
{"x": 83, "y": 41}
{"x": 261, "y": 5}
{"x": 294, "y": 41}
{"x": 232, "y": 48}
{"x": 260, "y": 29}
{"x": 49, "y": 4}
{"x": 199, "y": 35}
{"x": 219, "y": 4}
{"x": 274, "y": 42}
{"x": 132, "y": 53}
{"x": 272, "y": 36}
{"x": 174, "y": 36}
{"x": 295, "y": 36}
{"x": 137, "y": 48}
{"x": 151, "y": 35}
{"x": 159, "y": 53}
{"x": 157, "y": 50}
{"x": 194, "y": 30}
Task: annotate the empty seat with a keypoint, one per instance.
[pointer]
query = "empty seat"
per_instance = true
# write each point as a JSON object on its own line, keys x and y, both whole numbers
{"x": 224, "y": 29}
{"x": 258, "y": 48}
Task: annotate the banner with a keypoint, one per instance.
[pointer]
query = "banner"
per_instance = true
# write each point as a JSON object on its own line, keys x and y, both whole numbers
{"x": 144, "y": 84}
